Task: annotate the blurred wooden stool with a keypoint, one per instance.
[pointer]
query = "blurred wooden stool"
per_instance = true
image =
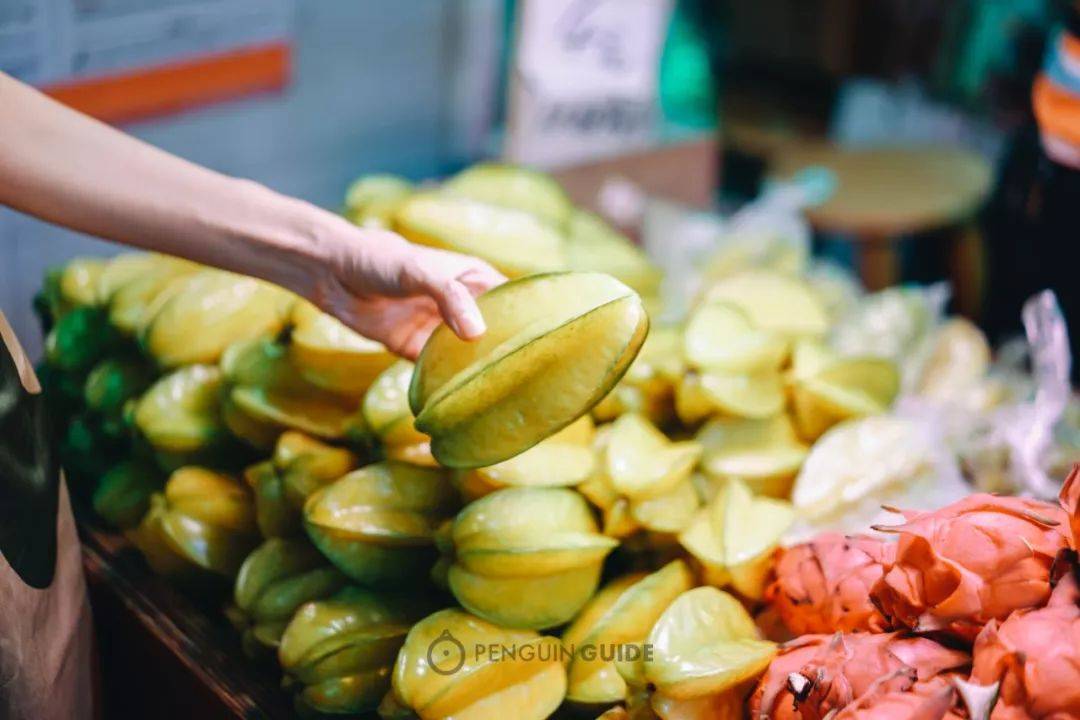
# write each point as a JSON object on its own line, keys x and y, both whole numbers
{"x": 886, "y": 194}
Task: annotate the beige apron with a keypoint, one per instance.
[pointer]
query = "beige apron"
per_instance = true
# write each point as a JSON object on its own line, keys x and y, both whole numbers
{"x": 45, "y": 629}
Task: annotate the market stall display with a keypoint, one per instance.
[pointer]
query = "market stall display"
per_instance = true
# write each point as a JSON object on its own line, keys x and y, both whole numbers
{"x": 653, "y": 502}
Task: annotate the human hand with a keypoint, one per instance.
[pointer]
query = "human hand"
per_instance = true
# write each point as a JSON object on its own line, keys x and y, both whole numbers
{"x": 395, "y": 292}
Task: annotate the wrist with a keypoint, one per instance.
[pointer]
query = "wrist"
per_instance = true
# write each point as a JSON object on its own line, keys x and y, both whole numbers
{"x": 287, "y": 241}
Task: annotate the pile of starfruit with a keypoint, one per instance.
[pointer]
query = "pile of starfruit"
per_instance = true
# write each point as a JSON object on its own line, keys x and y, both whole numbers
{"x": 576, "y": 512}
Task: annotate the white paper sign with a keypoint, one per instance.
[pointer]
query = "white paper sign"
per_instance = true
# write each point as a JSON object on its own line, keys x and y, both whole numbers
{"x": 584, "y": 81}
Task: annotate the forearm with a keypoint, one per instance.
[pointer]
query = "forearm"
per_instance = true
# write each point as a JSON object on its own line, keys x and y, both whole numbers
{"x": 71, "y": 170}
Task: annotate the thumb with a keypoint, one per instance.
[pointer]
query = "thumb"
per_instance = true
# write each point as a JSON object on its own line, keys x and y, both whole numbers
{"x": 458, "y": 308}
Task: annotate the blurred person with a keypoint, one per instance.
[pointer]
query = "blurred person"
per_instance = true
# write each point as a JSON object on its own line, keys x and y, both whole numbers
{"x": 1030, "y": 220}
{"x": 68, "y": 169}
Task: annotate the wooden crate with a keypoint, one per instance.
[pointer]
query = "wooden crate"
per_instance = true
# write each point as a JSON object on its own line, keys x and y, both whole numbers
{"x": 162, "y": 655}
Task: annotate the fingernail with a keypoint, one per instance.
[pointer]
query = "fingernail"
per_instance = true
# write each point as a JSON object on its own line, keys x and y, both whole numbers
{"x": 471, "y": 323}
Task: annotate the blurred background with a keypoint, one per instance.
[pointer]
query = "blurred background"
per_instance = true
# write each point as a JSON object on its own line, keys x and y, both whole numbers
{"x": 915, "y": 114}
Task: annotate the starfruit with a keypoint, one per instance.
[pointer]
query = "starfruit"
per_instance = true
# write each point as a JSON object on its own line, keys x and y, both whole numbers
{"x": 331, "y": 356}
{"x": 555, "y": 345}
{"x": 79, "y": 339}
{"x": 623, "y": 612}
{"x": 643, "y": 480}
{"x": 563, "y": 460}
{"x": 774, "y": 302}
{"x": 827, "y": 389}
{"x": 113, "y": 382}
{"x": 377, "y": 524}
{"x": 122, "y": 496}
{"x": 372, "y": 200}
{"x": 78, "y": 282}
{"x": 721, "y": 337}
{"x": 957, "y": 363}
{"x": 765, "y": 454}
{"x": 204, "y": 521}
{"x": 276, "y": 579}
{"x": 700, "y": 651}
{"x": 515, "y": 242}
{"x": 386, "y": 413}
{"x": 734, "y": 536}
{"x": 209, "y": 311}
{"x": 338, "y": 652}
{"x": 592, "y": 245}
{"x": 180, "y": 417}
{"x": 87, "y": 451}
{"x": 527, "y": 557}
{"x": 265, "y": 395}
{"x": 454, "y": 665}
{"x": 68, "y": 288}
{"x": 755, "y": 395}
{"x": 133, "y": 287}
{"x": 514, "y": 187}
{"x": 860, "y": 465}
{"x": 299, "y": 466}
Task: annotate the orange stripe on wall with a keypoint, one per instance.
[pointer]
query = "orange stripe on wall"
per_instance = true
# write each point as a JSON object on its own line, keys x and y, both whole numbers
{"x": 154, "y": 91}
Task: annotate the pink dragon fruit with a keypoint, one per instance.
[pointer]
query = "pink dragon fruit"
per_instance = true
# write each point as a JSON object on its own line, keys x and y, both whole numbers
{"x": 823, "y": 586}
{"x": 976, "y": 560}
{"x": 1035, "y": 656}
{"x": 816, "y": 675}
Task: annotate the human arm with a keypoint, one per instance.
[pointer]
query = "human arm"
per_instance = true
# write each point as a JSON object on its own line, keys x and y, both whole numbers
{"x": 71, "y": 170}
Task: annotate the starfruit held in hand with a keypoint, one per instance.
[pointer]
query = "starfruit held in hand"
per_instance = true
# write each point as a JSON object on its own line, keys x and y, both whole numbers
{"x": 204, "y": 521}
{"x": 338, "y": 652}
{"x": 555, "y": 345}
{"x": 275, "y": 580}
{"x": 527, "y": 557}
{"x": 455, "y": 665}
{"x": 377, "y": 524}
{"x": 299, "y": 466}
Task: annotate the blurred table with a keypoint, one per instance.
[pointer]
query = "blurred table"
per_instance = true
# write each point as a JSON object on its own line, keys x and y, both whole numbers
{"x": 685, "y": 171}
{"x": 884, "y": 195}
